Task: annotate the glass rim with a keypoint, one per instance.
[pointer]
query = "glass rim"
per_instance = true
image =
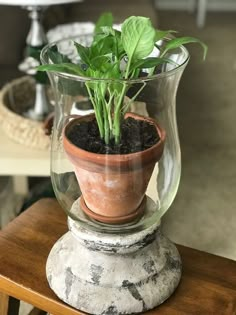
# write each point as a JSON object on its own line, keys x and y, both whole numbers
{"x": 80, "y": 78}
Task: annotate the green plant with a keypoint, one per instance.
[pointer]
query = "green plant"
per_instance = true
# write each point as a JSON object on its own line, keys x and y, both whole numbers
{"x": 113, "y": 58}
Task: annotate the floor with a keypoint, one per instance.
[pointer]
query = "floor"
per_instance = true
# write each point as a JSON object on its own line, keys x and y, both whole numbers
{"x": 203, "y": 214}
{"x": 25, "y": 308}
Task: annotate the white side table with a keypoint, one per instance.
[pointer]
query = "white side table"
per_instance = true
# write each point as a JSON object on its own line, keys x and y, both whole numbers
{"x": 20, "y": 162}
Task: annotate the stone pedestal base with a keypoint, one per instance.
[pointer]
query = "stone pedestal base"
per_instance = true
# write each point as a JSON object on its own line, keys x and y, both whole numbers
{"x": 113, "y": 274}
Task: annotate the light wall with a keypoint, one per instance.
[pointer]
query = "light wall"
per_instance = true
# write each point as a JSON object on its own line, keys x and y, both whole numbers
{"x": 213, "y": 5}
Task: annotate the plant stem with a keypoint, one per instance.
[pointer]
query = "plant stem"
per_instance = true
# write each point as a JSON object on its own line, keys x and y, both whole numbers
{"x": 117, "y": 115}
{"x": 108, "y": 105}
{"x": 97, "y": 112}
{"x": 106, "y": 123}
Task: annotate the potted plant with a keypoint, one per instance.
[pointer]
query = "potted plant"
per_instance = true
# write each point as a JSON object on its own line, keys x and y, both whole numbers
{"x": 112, "y": 164}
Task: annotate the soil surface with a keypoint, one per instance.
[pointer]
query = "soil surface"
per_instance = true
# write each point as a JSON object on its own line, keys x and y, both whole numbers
{"x": 136, "y": 135}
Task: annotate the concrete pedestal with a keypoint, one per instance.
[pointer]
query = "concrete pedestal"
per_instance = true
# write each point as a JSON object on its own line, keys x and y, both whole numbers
{"x": 113, "y": 274}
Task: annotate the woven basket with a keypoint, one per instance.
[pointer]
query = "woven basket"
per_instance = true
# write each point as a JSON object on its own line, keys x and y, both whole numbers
{"x": 16, "y": 98}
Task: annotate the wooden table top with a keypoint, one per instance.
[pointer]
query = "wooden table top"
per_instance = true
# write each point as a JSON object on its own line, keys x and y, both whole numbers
{"x": 207, "y": 287}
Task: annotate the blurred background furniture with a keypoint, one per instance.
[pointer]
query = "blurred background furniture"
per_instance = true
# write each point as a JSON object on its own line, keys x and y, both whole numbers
{"x": 10, "y": 202}
{"x": 35, "y": 41}
{"x": 201, "y": 12}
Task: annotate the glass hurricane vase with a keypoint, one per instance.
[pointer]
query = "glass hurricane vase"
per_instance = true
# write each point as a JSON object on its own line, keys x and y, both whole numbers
{"x": 115, "y": 199}
{"x": 156, "y": 101}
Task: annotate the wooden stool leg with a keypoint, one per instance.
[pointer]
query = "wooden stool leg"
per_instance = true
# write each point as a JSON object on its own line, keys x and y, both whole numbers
{"x": 9, "y": 305}
{"x": 4, "y": 300}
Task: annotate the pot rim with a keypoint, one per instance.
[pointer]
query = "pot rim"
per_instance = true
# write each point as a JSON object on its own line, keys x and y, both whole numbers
{"x": 113, "y": 158}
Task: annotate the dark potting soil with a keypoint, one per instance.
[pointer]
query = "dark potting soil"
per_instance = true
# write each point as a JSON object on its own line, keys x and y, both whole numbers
{"x": 136, "y": 135}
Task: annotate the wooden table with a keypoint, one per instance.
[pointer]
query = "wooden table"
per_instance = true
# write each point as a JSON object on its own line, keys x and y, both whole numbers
{"x": 208, "y": 285}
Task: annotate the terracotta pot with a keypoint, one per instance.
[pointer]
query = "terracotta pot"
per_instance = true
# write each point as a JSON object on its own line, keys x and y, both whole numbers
{"x": 113, "y": 186}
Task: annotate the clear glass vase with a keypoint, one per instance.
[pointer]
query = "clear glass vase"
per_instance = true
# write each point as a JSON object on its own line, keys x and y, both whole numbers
{"x": 115, "y": 192}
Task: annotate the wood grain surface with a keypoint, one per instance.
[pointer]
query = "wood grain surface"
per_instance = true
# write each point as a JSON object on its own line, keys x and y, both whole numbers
{"x": 4, "y": 300}
{"x": 208, "y": 284}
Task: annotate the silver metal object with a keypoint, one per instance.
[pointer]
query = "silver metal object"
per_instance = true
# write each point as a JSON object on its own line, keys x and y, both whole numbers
{"x": 36, "y": 36}
{"x": 41, "y": 105}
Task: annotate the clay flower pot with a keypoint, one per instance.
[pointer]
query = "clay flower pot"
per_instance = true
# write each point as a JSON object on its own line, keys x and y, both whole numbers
{"x": 113, "y": 186}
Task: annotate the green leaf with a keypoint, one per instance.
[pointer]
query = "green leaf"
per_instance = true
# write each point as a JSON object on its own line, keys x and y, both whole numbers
{"x": 138, "y": 37}
{"x": 162, "y": 34}
{"x": 108, "y": 30}
{"x": 69, "y": 68}
{"x": 114, "y": 71}
{"x": 57, "y": 57}
{"x": 119, "y": 49}
{"x": 150, "y": 63}
{"x": 98, "y": 37}
{"x": 83, "y": 52}
{"x": 177, "y": 42}
{"x": 102, "y": 63}
{"x": 108, "y": 42}
{"x": 106, "y": 19}
{"x": 102, "y": 47}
